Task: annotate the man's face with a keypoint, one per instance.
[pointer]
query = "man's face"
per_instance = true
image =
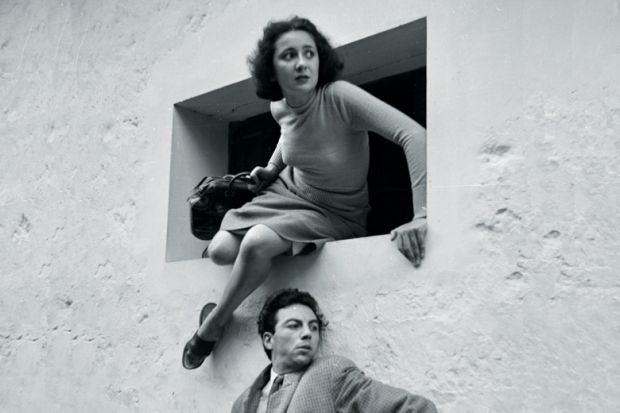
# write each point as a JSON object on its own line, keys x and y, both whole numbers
{"x": 295, "y": 340}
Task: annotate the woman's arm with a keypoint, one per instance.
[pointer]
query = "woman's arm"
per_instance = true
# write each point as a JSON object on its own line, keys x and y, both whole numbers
{"x": 363, "y": 111}
{"x": 276, "y": 160}
{"x": 263, "y": 176}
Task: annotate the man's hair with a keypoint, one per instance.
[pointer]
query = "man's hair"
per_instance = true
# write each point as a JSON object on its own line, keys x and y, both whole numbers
{"x": 261, "y": 61}
{"x": 281, "y": 299}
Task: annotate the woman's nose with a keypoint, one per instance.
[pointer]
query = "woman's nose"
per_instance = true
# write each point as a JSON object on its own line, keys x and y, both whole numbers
{"x": 300, "y": 64}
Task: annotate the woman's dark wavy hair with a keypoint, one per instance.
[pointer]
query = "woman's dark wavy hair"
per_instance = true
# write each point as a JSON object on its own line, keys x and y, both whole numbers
{"x": 283, "y": 298}
{"x": 261, "y": 61}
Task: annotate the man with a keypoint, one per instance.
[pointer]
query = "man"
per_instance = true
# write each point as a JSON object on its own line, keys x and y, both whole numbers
{"x": 290, "y": 326}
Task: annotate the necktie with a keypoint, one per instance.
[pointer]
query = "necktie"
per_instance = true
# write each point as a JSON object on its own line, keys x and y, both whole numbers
{"x": 277, "y": 383}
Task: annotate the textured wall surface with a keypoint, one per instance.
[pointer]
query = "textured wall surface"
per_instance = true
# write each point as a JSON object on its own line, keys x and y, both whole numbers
{"x": 516, "y": 307}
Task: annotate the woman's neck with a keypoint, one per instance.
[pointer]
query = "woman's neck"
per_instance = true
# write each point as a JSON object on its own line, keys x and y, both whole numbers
{"x": 298, "y": 100}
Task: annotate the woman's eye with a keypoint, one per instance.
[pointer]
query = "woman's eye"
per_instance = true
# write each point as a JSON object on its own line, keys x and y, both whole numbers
{"x": 309, "y": 54}
{"x": 288, "y": 55}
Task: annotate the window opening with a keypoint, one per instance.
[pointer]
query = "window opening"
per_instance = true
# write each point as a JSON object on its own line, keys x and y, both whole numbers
{"x": 209, "y": 130}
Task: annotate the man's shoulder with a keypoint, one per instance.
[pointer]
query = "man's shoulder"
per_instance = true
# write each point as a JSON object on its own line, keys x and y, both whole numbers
{"x": 238, "y": 404}
{"x": 250, "y": 391}
{"x": 332, "y": 360}
{"x": 324, "y": 376}
{"x": 332, "y": 363}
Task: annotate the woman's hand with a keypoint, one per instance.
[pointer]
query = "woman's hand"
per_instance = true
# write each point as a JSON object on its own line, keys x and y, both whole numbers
{"x": 262, "y": 177}
{"x": 411, "y": 239}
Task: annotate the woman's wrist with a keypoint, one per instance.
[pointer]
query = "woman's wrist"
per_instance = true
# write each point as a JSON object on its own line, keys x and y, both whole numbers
{"x": 272, "y": 168}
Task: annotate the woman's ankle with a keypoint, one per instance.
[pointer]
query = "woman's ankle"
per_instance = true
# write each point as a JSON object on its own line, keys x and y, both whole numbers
{"x": 210, "y": 330}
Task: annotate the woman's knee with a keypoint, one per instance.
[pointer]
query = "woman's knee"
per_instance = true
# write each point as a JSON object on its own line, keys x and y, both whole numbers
{"x": 262, "y": 242}
{"x": 224, "y": 248}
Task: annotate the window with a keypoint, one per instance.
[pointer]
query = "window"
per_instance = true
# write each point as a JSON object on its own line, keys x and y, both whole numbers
{"x": 210, "y": 129}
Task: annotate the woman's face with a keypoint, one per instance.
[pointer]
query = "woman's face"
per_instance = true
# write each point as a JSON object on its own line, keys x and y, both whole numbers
{"x": 296, "y": 65}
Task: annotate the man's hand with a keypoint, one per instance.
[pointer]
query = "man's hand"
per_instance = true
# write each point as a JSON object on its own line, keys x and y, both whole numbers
{"x": 410, "y": 239}
{"x": 262, "y": 177}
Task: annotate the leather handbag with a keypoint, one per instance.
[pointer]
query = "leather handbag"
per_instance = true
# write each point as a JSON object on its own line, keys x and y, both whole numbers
{"x": 213, "y": 197}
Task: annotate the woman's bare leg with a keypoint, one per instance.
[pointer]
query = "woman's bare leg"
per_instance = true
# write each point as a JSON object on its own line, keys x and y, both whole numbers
{"x": 224, "y": 248}
{"x": 257, "y": 250}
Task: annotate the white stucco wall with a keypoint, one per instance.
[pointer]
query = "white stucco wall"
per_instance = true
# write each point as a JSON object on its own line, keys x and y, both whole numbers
{"x": 515, "y": 308}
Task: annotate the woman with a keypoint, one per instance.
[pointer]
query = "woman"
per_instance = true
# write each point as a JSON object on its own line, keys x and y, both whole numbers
{"x": 314, "y": 187}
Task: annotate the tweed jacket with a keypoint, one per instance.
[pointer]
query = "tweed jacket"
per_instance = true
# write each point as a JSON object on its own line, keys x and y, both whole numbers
{"x": 331, "y": 385}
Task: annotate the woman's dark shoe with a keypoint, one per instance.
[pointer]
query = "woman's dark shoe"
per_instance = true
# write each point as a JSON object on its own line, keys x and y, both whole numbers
{"x": 197, "y": 350}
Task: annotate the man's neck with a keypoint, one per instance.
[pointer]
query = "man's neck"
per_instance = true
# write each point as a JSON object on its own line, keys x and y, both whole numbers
{"x": 282, "y": 370}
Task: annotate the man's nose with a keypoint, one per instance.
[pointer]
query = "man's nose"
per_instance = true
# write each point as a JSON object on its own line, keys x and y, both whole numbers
{"x": 306, "y": 333}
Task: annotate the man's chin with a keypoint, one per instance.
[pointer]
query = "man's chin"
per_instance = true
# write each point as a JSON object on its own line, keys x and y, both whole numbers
{"x": 302, "y": 360}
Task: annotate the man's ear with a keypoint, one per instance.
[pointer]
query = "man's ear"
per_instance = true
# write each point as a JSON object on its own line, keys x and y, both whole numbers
{"x": 268, "y": 340}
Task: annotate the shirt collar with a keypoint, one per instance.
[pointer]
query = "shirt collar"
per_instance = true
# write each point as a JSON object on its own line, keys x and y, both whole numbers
{"x": 267, "y": 388}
